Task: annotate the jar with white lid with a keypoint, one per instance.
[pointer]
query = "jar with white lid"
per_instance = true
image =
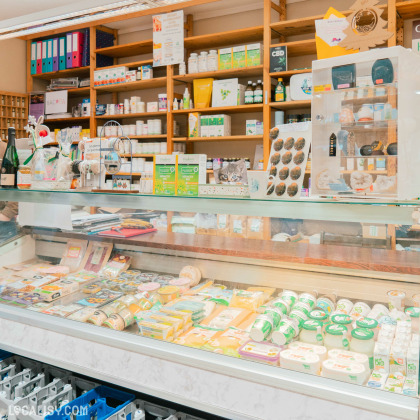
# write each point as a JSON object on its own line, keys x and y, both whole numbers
{"x": 311, "y": 332}
{"x": 193, "y": 63}
{"x": 202, "y": 62}
{"x": 362, "y": 341}
{"x": 336, "y": 337}
{"x": 212, "y": 61}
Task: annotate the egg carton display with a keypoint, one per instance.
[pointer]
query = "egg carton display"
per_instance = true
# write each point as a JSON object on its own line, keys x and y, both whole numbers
{"x": 288, "y": 157}
{"x": 364, "y": 125}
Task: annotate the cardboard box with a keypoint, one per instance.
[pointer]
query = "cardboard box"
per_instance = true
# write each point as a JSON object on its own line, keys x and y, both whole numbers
{"x": 278, "y": 59}
{"x": 223, "y": 125}
{"x": 254, "y": 128}
{"x": 225, "y": 59}
{"x": 374, "y": 231}
{"x": 204, "y": 122}
{"x": 164, "y": 175}
{"x": 254, "y": 54}
{"x": 191, "y": 171}
{"x": 239, "y": 57}
{"x": 130, "y": 76}
{"x": 228, "y": 92}
{"x": 194, "y": 124}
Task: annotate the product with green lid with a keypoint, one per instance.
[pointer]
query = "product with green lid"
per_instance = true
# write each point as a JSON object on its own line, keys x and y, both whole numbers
{"x": 362, "y": 341}
{"x": 289, "y": 296}
{"x": 312, "y": 332}
{"x": 414, "y": 313}
{"x": 302, "y": 306}
{"x": 336, "y": 337}
{"x": 369, "y": 323}
{"x": 262, "y": 327}
{"x": 342, "y": 319}
{"x": 285, "y": 332}
{"x": 281, "y": 304}
{"x": 300, "y": 316}
{"x": 319, "y": 315}
{"x": 276, "y": 314}
{"x": 307, "y": 298}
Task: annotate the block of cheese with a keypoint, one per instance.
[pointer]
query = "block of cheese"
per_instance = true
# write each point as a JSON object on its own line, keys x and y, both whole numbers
{"x": 321, "y": 351}
{"x": 354, "y": 373}
{"x": 302, "y": 361}
{"x": 345, "y": 356}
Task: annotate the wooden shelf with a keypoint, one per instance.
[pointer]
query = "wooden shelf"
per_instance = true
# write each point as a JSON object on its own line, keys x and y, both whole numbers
{"x": 130, "y": 64}
{"x": 79, "y": 91}
{"x": 128, "y": 174}
{"x": 127, "y": 50}
{"x": 140, "y": 84}
{"x": 242, "y": 72}
{"x": 151, "y": 136}
{"x": 127, "y": 116}
{"x": 239, "y": 109}
{"x": 297, "y": 48}
{"x": 142, "y": 155}
{"x": 291, "y": 104}
{"x": 239, "y": 36}
{"x": 66, "y": 120}
{"x": 409, "y": 9}
{"x": 289, "y": 73}
{"x": 78, "y": 71}
{"x": 223, "y": 138}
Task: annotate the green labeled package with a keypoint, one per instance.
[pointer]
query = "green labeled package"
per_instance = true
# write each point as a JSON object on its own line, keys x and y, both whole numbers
{"x": 191, "y": 171}
{"x": 164, "y": 176}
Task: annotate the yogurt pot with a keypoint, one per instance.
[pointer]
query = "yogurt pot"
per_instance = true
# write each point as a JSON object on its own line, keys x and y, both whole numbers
{"x": 360, "y": 309}
{"x": 326, "y": 303}
{"x": 416, "y": 300}
{"x": 344, "y": 306}
{"x": 319, "y": 315}
{"x": 308, "y": 298}
{"x": 289, "y": 296}
{"x": 378, "y": 311}
{"x": 281, "y": 304}
{"x": 183, "y": 284}
{"x": 276, "y": 314}
{"x": 300, "y": 316}
{"x": 362, "y": 341}
{"x": 168, "y": 293}
{"x": 285, "y": 332}
{"x": 341, "y": 319}
{"x": 149, "y": 287}
{"x": 312, "y": 332}
{"x": 336, "y": 337}
{"x": 368, "y": 323}
{"x": 302, "y": 306}
{"x": 396, "y": 300}
{"x": 262, "y": 328}
{"x": 414, "y": 314}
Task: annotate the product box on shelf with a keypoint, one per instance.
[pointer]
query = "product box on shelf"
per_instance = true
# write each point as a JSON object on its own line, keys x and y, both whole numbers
{"x": 254, "y": 55}
{"x": 228, "y": 92}
{"x": 254, "y": 128}
{"x": 191, "y": 172}
{"x": 223, "y": 190}
{"x": 278, "y": 59}
{"x": 130, "y": 76}
{"x": 164, "y": 174}
{"x": 225, "y": 59}
{"x": 239, "y": 57}
{"x": 194, "y": 124}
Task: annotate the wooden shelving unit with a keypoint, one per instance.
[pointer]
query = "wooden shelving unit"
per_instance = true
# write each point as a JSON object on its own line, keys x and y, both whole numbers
{"x": 274, "y": 30}
{"x": 13, "y": 113}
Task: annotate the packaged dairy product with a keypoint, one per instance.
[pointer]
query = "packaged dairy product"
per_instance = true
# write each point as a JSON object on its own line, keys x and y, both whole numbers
{"x": 378, "y": 311}
{"x": 368, "y": 323}
{"x": 414, "y": 314}
{"x": 354, "y": 373}
{"x": 261, "y": 352}
{"x": 411, "y": 387}
{"x": 311, "y": 332}
{"x": 303, "y": 307}
{"x": 359, "y": 310}
{"x": 381, "y": 355}
{"x": 345, "y": 356}
{"x": 377, "y": 379}
{"x": 308, "y": 298}
{"x": 287, "y": 330}
{"x": 326, "y": 303}
{"x": 299, "y": 316}
{"x": 362, "y": 342}
{"x": 319, "y": 315}
{"x": 336, "y": 337}
{"x": 344, "y": 306}
{"x": 398, "y": 359}
{"x": 321, "y": 351}
{"x": 276, "y": 314}
{"x": 262, "y": 328}
{"x": 396, "y": 299}
{"x": 281, "y": 304}
{"x": 227, "y": 342}
{"x": 289, "y": 296}
{"x": 413, "y": 362}
{"x": 307, "y": 362}
{"x": 395, "y": 383}
{"x": 342, "y": 319}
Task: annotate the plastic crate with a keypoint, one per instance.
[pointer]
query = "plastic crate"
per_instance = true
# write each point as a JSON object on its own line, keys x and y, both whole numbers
{"x": 5, "y": 354}
{"x": 99, "y": 403}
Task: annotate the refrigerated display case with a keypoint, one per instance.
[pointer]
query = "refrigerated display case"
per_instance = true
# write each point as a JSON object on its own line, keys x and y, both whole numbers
{"x": 241, "y": 308}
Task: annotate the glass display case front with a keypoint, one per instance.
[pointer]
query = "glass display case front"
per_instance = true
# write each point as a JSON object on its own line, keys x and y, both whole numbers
{"x": 323, "y": 297}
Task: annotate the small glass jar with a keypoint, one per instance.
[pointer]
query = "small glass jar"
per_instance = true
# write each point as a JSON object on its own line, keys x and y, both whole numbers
{"x": 311, "y": 332}
{"x": 212, "y": 61}
{"x": 362, "y": 341}
{"x": 336, "y": 337}
{"x": 24, "y": 177}
{"x": 202, "y": 62}
{"x": 193, "y": 63}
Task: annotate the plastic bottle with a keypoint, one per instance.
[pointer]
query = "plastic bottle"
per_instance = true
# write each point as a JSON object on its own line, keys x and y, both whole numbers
{"x": 258, "y": 93}
{"x": 280, "y": 92}
{"x": 186, "y": 99}
{"x": 249, "y": 94}
{"x": 212, "y": 61}
{"x": 193, "y": 63}
{"x": 413, "y": 362}
{"x": 202, "y": 62}
{"x": 175, "y": 105}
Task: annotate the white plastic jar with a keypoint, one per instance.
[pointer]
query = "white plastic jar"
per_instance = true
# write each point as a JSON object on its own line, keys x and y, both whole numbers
{"x": 342, "y": 319}
{"x": 212, "y": 61}
{"x": 193, "y": 63}
{"x": 336, "y": 337}
{"x": 362, "y": 341}
{"x": 202, "y": 62}
{"x": 369, "y": 324}
{"x": 311, "y": 332}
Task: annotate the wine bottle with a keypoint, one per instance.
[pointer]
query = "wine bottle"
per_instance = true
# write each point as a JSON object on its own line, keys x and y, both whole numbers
{"x": 10, "y": 163}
